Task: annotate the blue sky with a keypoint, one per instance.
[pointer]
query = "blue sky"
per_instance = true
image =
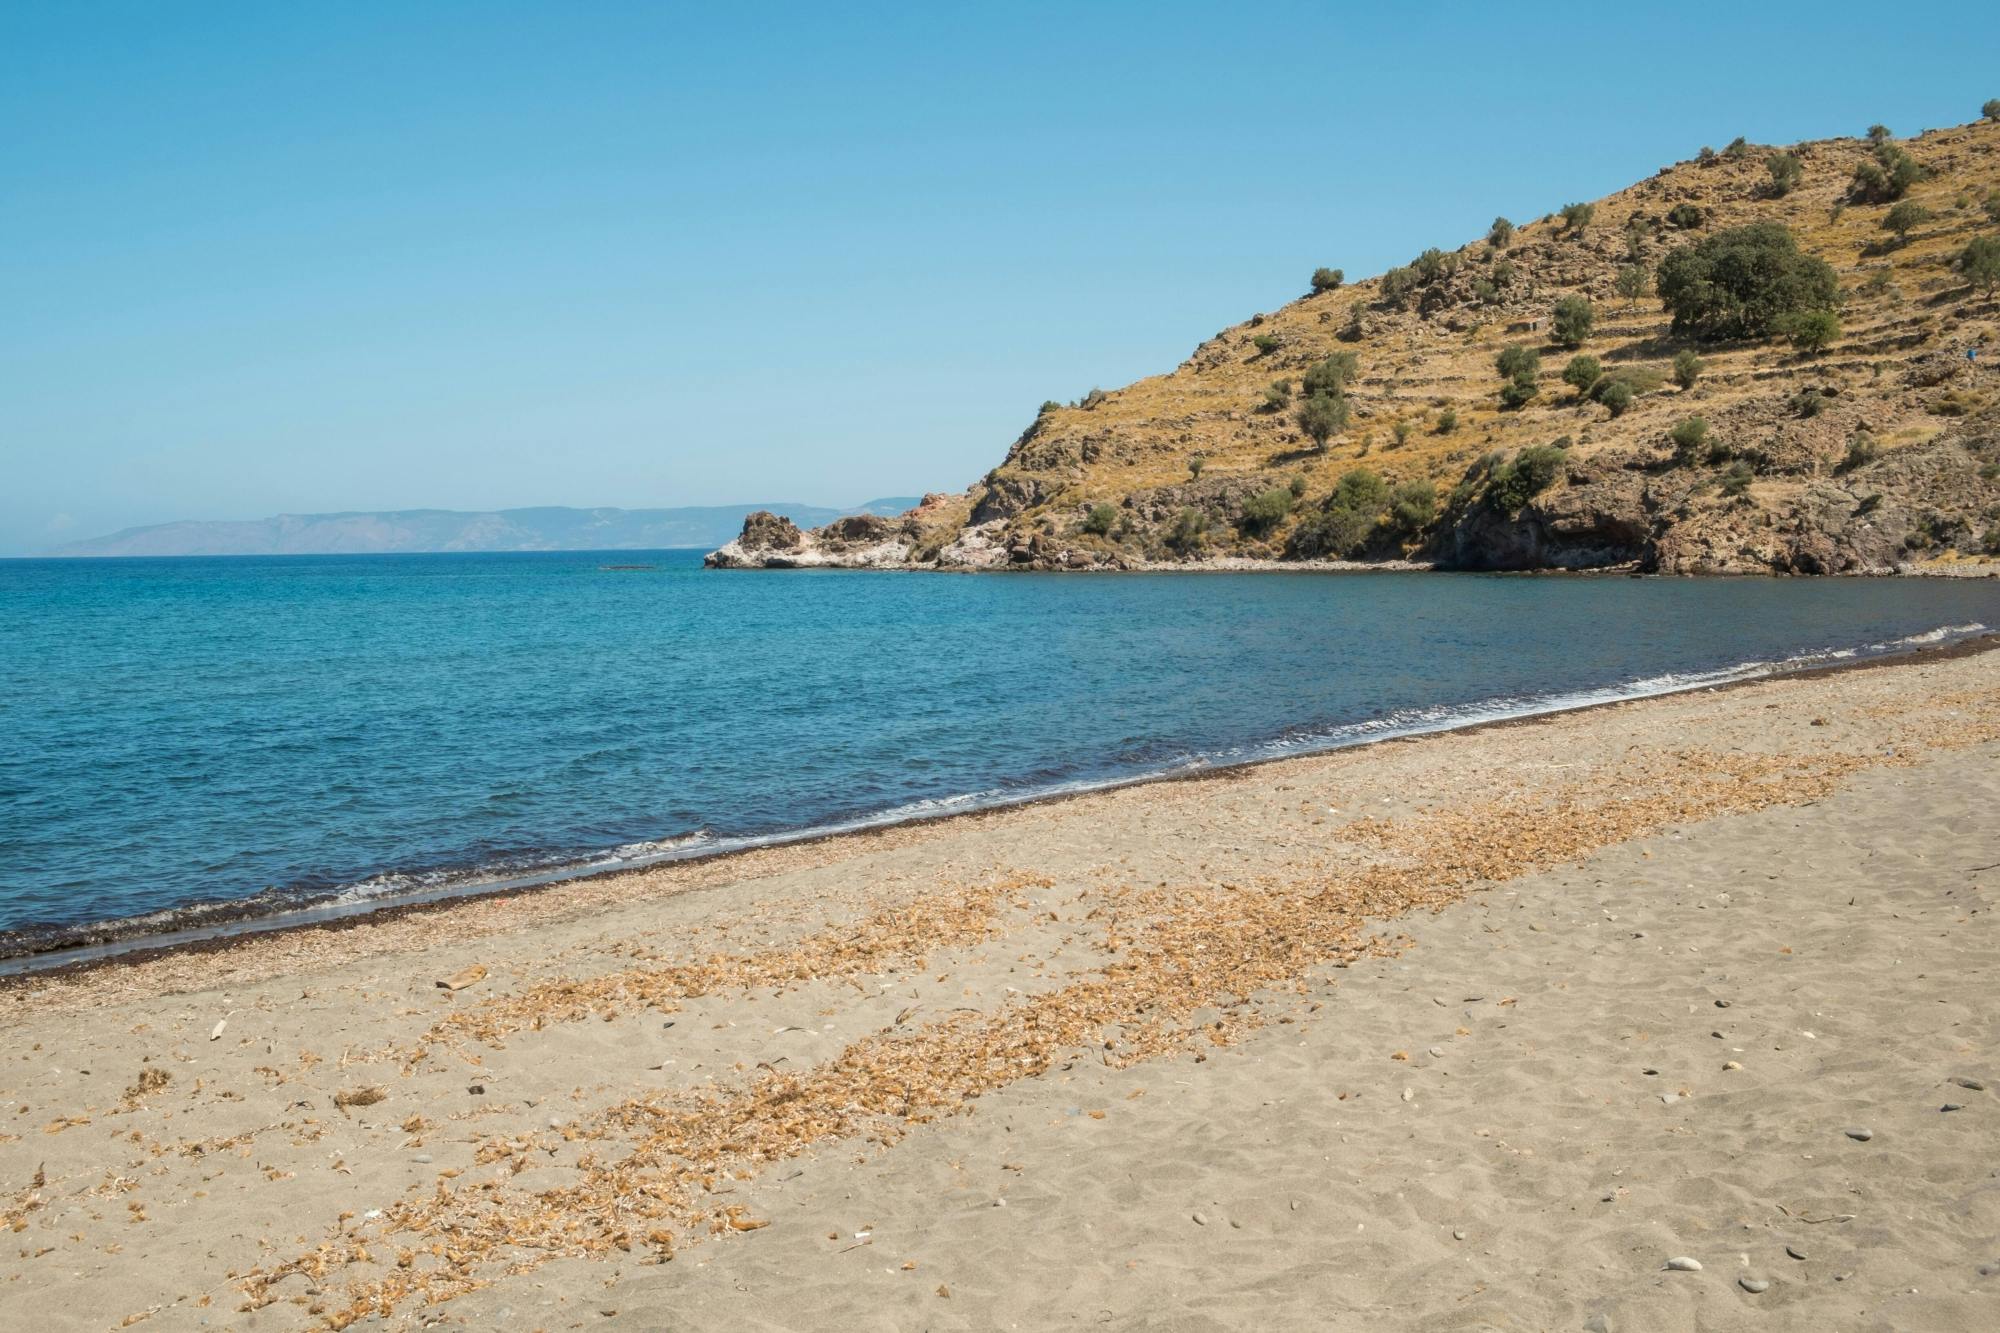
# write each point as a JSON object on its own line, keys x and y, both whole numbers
{"x": 265, "y": 258}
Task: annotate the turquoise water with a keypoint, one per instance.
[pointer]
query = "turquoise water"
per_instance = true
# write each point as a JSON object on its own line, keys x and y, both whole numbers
{"x": 265, "y": 732}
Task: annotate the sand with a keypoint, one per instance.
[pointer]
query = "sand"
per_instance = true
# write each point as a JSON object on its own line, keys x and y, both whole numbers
{"x": 1469, "y": 1031}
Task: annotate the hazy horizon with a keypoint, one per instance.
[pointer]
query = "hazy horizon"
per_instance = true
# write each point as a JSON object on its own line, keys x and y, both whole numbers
{"x": 270, "y": 262}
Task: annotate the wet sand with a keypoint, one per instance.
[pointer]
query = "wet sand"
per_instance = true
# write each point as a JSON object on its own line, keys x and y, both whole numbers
{"x": 1468, "y": 1031}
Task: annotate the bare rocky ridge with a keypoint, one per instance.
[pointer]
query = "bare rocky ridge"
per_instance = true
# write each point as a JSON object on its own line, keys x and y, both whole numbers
{"x": 1878, "y": 454}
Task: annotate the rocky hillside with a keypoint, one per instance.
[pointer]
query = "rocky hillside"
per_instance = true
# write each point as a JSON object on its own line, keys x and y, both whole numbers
{"x": 1651, "y": 380}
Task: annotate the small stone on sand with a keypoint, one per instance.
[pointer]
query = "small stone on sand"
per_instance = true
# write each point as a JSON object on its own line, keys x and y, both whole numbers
{"x": 1680, "y": 1263}
{"x": 1753, "y": 1285}
{"x": 1860, "y": 1135}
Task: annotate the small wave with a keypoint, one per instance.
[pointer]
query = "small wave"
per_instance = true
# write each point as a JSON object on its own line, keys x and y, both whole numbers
{"x": 273, "y": 908}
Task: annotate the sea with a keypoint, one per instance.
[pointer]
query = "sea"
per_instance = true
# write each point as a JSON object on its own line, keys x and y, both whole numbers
{"x": 204, "y": 744}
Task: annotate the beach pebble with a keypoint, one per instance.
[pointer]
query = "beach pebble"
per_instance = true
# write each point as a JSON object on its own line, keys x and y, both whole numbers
{"x": 1860, "y": 1135}
{"x": 1952, "y": 1106}
{"x": 1972, "y": 1084}
{"x": 1989, "y": 1270}
{"x": 1722, "y": 1004}
{"x": 1597, "y": 1323}
{"x": 1680, "y": 1263}
{"x": 1437, "y": 1051}
{"x": 1753, "y": 1285}
{"x": 1201, "y": 1219}
{"x": 1458, "y": 1233}
{"x": 1795, "y": 1252}
{"x": 1731, "y": 1064}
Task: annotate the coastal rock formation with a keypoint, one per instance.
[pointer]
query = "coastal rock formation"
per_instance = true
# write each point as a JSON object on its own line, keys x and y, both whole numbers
{"x": 1870, "y": 444}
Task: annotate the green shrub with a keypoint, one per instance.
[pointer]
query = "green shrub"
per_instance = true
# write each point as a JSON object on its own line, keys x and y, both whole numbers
{"x": 1501, "y": 234}
{"x": 1189, "y": 532}
{"x": 1706, "y": 156}
{"x": 1631, "y": 282}
{"x": 1808, "y": 402}
{"x": 1278, "y": 396}
{"x": 1412, "y": 506}
{"x": 1332, "y": 533}
{"x": 1904, "y": 217}
{"x": 1486, "y": 291}
{"x": 1355, "y": 329}
{"x": 1196, "y": 462}
{"x": 1572, "y": 321}
{"x": 1637, "y": 232}
{"x": 1861, "y": 451}
{"x": 1397, "y": 284}
{"x": 1516, "y": 360}
{"x": 1577, "y": 216}
{"x": 1736, "y": 478}
{"x": 1504, "y": 272}
{"x": 1809, "y": 330}
{"x": 1522, "y": 366}
{"x": 1326, "y": 279}
{"x": 1686, "y": 216}
{"x": 1737, "y": 283}
{"x": 1048, "y": 405}
{"x": 1100, "y": 519}
{"x": 1433, "y": 264}
{"x": 1265, "y": 510}
{"x": 1879, "y": 134}
{"x": 1401, "y": 430}
{"x": 1991, "y": 110}
{"x": 1297, "y": 486}
{"x": 1785, "y": 172}
{"x": 1511, "y": 485}
{"x": 1738, "y": 147}
{"x": 1688, "y": 436}
{"x": 1687, "y": 368}
{"x": 1362, "y": 490}
{"x": 1447, "y": 421}
{"x": 1323, "y": 416}
{"x": 1614, "y": 393}
{"x": 1979, "y": 263}
{"x": 1879, "y": 280}
{"x": 1889, "y": 177}
{"x": 1267, "y": 343}
{"x": 1582, "y": 373}
{"x": 1332, "y": 375}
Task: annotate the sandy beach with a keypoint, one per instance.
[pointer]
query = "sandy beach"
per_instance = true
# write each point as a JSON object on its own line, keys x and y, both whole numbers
{"x": 1478, "y": 1030}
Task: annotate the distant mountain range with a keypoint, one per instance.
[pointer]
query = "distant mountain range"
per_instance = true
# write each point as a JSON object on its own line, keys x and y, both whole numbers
{"x": 546, "y": 528}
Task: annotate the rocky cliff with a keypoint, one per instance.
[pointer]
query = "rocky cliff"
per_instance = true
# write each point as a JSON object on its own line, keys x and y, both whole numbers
{"x": 1852, "y": 434}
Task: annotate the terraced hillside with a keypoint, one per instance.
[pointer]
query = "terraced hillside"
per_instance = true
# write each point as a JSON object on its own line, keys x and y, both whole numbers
{"x": 1369, "y": 420}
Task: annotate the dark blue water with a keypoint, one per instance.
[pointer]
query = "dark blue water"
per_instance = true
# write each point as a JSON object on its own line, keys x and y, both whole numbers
{"x": 175, "y": 732}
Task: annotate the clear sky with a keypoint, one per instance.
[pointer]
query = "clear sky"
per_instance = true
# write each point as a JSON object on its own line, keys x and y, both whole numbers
{"x": 258, "y": 258}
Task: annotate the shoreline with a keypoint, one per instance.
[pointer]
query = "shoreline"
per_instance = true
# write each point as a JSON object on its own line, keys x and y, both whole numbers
{"x": 1476, "y": 1029}
{"x": 71, "y": 960}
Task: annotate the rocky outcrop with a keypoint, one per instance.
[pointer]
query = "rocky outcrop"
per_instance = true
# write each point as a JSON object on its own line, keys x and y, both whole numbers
{"x": 859, "y": 541}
